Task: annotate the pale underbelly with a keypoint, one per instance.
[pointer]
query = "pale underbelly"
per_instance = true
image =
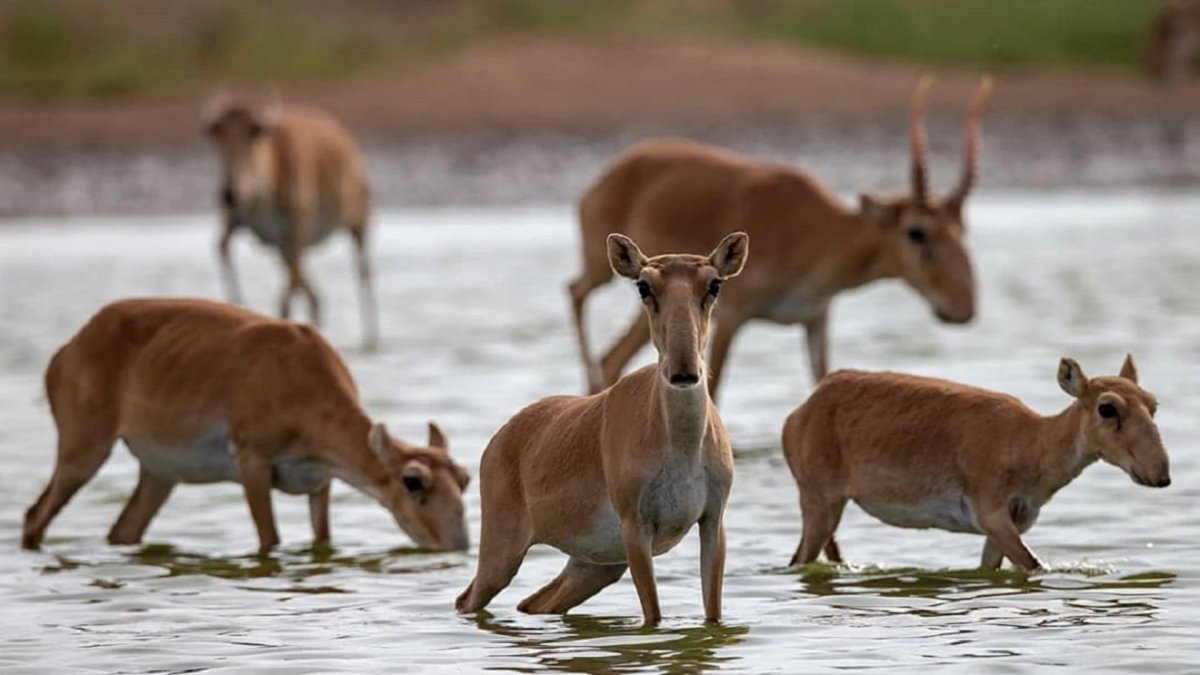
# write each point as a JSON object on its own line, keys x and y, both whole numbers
{"x": 671, "y": 505}
{"x": 275, "y": 229}
{"x": 949, "y": 512}
{"x": 210, "y": 459}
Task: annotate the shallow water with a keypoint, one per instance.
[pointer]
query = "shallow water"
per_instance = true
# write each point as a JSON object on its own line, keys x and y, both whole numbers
{"x": 475, "y": 326}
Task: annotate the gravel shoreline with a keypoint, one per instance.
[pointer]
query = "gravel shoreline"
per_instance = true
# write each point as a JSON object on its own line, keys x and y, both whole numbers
{"x": 492, "y": 168}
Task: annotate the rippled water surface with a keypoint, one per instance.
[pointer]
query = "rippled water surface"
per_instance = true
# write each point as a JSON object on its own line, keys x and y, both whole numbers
{"x": 475, "y": 326}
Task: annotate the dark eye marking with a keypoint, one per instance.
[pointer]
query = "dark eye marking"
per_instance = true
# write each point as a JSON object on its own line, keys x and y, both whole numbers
{"x": 413, "y": 484}
{"x": 1107, "y": 410}
{"x": 714, "y": 287}
{"x": 917, "y": 236}
{"x": 647, "y": 294}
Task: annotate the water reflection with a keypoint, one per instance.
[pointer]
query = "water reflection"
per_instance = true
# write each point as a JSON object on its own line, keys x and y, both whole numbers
{"x": 295, "y": 565}
{"x": 579, "y": 643}
{"x": 79, "y": 605}
{"x": 1097, "y": 591}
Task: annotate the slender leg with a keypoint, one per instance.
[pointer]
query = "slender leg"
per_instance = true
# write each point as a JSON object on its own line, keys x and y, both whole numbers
{"x": 148, "y": 497}
{"x": 579, "y": 290}
{"x": 727, "y": 326}
{"x": 816, "y": 333}
{"x": 991, "y": 558}
{"x": 833, "y": 552}
{"x": 821, "y": 518}
{"x": 505, "y": 535}
{"x": 712, "y": 565}
{"x": 366, "y": 288}
{"x": 494, "y": 573}
{"x": 641, "y": 568}
{"x": 997, "y": 524}
{"x": 625, "y": 349}
{"x": 78, "y": 460}
{"x": 577, "y": 582}
{"x": 318, "y": 513}
{"x": 298, "y": 282}
{"x": 285, "y": 298}
{"x": 256, "y": 483}
{"x": 228, "y": 272}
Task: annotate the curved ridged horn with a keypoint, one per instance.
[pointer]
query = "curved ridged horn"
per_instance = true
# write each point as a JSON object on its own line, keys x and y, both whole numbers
{"x": 971, "y": 142}
{"x": 916, "y": 140}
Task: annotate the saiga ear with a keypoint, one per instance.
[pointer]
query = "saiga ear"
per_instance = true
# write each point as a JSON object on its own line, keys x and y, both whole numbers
{"x": 213, "y": 110}
{"x": 436, "y": 438}
{"x": 1071, "y": 377}
{"x": 377, "y": 440}
{"x": 1129, "y": 369}
{"x": 214, "y": 107}
{"x": 624, "y": 256}
{"x": 730, "y": 255}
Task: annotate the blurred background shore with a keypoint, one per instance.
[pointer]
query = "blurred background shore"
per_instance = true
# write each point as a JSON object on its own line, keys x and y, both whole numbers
{"x": 524, "y": 101}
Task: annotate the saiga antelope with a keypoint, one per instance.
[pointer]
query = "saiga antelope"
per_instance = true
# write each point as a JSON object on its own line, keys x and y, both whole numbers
{"x": 616, "y": 478}
{"x": 680, "y": 196}
{"x": 292, "y": 176}
{"x": 919, "y": 452}
{"x": 1174, "y": 41}
{"x": 204, "y": 392}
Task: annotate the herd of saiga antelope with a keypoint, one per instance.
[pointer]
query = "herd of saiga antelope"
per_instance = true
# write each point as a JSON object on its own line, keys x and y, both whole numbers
{"x": 203, "y": 392}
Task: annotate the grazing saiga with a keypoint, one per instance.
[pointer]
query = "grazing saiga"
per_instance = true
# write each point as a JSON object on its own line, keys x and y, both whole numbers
{"x": 681, "y": 196}
{"x": 292, "y": 176}
{"x": 203, "y": 392}
{"x": 618, "y": 477}
{"x": 920, "y": 452}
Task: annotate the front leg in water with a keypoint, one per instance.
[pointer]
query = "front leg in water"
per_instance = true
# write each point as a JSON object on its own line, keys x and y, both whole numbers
{"x": 712, "y": 565}
{"x": 997, "y": 524}
{"x": 256, "y": 478}
{"x": 641, "y": 568}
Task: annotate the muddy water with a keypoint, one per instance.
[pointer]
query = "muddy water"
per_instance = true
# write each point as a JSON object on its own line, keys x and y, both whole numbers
{"x": 475, "y": 326}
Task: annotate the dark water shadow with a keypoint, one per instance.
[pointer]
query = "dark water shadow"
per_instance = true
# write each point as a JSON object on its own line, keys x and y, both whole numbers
{"x": 591, "y": 644}
{"x": 1093, "y": 590}
{"x": 298, "y": 565}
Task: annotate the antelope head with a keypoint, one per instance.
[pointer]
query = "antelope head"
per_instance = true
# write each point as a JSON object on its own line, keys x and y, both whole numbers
{"x": 679, "y": 292}
{"x": 423, "y": 489}
{"x": 1118, "y": 421}
{"x": 926, "y": 234}
{"x": 236, "y": 128}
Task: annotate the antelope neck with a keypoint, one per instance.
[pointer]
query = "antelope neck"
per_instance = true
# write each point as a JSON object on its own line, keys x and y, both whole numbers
{"x": 684, "y": 415}
{"x": 253, "y": 176}
{"x": 1060, "y": 449}
{"x": 865, "y": 257}
{"x": 345, "y": 449}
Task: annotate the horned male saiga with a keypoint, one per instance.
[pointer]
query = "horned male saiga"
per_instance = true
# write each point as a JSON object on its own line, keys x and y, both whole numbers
{"x": 682, "y": 196}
